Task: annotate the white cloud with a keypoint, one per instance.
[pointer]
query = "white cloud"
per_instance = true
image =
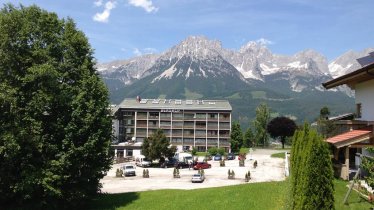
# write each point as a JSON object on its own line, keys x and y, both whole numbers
{"x": 104, "y": 16}
{"x": 137, "y": 52}
{"x": 147, "y": 5}
{"x": 145, "y": 51}
{"x": 264, "y": 41}
{"x": 98, "y": 3}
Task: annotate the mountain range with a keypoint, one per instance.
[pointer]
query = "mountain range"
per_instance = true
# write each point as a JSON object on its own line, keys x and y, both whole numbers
{"x": 199, "y": 68}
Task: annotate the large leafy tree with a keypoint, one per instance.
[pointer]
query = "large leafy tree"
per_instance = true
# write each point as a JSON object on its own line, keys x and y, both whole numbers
{"x": 281, "y": 127}
{"x": 55, "y": 128}
{"x": 259, "y": 124}
{"x": 236, "y": 137}
{"x": 157, "y": 146}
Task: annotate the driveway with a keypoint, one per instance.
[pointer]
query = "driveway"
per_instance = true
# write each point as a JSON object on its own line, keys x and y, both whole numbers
{"x": 268, "y": 169}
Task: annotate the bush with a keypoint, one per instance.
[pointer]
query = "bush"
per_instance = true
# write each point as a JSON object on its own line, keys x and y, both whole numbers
{"x": 312, "y": 174}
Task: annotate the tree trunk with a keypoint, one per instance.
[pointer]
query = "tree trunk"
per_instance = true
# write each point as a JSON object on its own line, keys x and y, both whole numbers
{"x": 283, "y": 141}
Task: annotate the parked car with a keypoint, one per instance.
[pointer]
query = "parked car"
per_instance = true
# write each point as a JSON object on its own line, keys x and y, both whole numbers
{"x": 202, "y": 165}
{"x": 129, "y": 170}
{"x": 169, "y": 163}
{"x": 142, "y": 161}
{"x": 230, "y": 156}
{"x": 217, "y": 157}
{"x": 197, "y": 178}
{"x": 182, "y": 165}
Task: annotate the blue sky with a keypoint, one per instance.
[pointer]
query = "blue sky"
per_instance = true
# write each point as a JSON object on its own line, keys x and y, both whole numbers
{"x": 119, "y": 29}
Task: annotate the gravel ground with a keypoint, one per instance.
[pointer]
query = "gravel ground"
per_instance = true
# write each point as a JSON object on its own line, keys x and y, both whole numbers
{"x": 268, "y": 169}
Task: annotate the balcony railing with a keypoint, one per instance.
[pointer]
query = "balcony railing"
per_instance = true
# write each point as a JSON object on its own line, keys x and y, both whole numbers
{"x": 224, "y": 119}
{"x": 141, "y": 125}
{"x": 141, "y": 117}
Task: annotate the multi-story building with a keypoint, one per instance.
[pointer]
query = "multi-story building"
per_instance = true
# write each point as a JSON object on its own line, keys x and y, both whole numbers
{"x": 187, "y": 123}
{"x": 358, "y": 134}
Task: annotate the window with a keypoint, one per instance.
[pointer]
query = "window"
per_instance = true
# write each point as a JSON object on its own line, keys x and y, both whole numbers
{"x": 358, "y": 110}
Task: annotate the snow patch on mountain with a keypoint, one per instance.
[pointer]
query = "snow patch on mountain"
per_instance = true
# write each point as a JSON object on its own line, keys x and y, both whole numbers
{"x": 168, "y": 73}
{"x": 297, "y": 64}
{"x": 336, "y": 70}
{"x": 269, "y": 70}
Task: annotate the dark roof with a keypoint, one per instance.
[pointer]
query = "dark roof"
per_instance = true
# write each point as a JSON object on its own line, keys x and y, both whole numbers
{"x": 361, "y": 75}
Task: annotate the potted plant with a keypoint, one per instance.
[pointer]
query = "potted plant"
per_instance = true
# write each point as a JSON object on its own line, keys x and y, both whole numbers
{"x": 255, "y": 164}
{"x": 176, "y": 173}
{"x": 145, "y": 173}
{"x": 247, "y": 176}
{"x": 222, "y": 163}
{"x": 119, "y": 172}
{"x": 231, "y": 174}
{"x": 241, "y": 162}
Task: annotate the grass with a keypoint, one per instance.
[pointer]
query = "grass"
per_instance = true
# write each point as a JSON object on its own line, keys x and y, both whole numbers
{"x": 278, "y": 155}
{"x": 247, "y": 196}
{"x": 266, "y": 195}
{"x": 191, "y": 95}
{"x": 258, "y": 94}
{"x": 201, "y": 153}
{"x": 234, "y": 96}
{"x": 355, "y": 201}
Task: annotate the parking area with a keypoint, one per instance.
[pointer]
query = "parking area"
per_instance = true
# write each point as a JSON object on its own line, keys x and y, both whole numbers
{"x": 268, "y": 169}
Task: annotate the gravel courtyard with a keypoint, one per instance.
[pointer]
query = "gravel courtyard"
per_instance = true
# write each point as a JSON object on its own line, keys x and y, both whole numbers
{"x": 268, "y": 169}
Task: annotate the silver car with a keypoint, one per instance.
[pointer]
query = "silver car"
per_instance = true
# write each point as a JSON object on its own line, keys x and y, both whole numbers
{"x": 197, "y": 178}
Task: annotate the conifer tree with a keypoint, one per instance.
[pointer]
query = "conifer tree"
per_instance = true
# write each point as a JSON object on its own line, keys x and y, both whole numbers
{"x": 311, "y": 172}
{"x": 236, "y": 138}
{"x": 248, "y": 138}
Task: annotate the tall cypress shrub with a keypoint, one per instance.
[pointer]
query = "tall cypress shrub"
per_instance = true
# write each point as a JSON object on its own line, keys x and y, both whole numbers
{"x": 312, "y": 174}
{"x": 319, "y": 187}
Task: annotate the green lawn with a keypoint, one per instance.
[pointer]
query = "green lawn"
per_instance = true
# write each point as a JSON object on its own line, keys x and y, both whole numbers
{"x": 258, "y": 94}
{"x": 262, "y": 196}
{"x": 278, "y": 155}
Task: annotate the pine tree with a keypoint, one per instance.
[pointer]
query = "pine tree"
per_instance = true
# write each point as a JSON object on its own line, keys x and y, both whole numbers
{"x": 259, "y": 124}
{"x": 236, "y": 138}
{"x": 248, "y": 138}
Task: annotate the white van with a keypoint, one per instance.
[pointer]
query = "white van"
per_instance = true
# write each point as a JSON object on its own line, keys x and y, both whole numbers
{"x": 141, "y": 161}
{"x": 183, "y": 157}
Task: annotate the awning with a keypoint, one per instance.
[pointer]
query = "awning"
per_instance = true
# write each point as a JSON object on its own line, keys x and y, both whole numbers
{"x": 350, "y": 137}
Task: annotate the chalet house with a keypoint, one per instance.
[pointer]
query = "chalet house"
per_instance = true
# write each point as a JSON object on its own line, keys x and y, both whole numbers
{"x": 357, "y": 134}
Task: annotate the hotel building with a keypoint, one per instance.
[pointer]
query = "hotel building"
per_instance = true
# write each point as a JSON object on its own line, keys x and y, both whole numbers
{"x": 186, "y": 123}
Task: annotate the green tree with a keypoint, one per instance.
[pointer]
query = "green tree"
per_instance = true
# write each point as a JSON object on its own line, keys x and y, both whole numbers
{"x": 55, "y": 127}
{"x": 236, "y": 137}
{"x": 325, "y": 126}
{"x": 259, "y": 124}
{"x": 311, "y": 172}
{"x": 324, "y": 112}
{"x": 248, "y": 138}
{"x": 281, "y": 127}
{"x": 368, "y": 165}
{"x": 157, "y": 146}
{"x": 215, "y": 150}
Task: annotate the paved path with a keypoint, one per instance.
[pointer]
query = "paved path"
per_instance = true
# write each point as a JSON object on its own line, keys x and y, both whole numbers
{"x": 268, "y": 169}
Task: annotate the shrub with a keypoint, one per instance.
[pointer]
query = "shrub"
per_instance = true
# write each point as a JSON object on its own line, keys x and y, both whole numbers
{"x": 312, "y": 174}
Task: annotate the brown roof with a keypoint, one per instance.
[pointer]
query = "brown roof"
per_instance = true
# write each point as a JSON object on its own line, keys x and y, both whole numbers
{"x": 350, "y": 137}
{"x": 361, "y": 75}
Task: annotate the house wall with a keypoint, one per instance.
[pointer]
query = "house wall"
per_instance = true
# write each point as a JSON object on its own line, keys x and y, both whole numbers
{"x": 365, "y": 96}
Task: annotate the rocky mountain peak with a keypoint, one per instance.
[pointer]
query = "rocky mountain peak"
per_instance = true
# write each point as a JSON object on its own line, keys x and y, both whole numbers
{"x": 196, "y": 46}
